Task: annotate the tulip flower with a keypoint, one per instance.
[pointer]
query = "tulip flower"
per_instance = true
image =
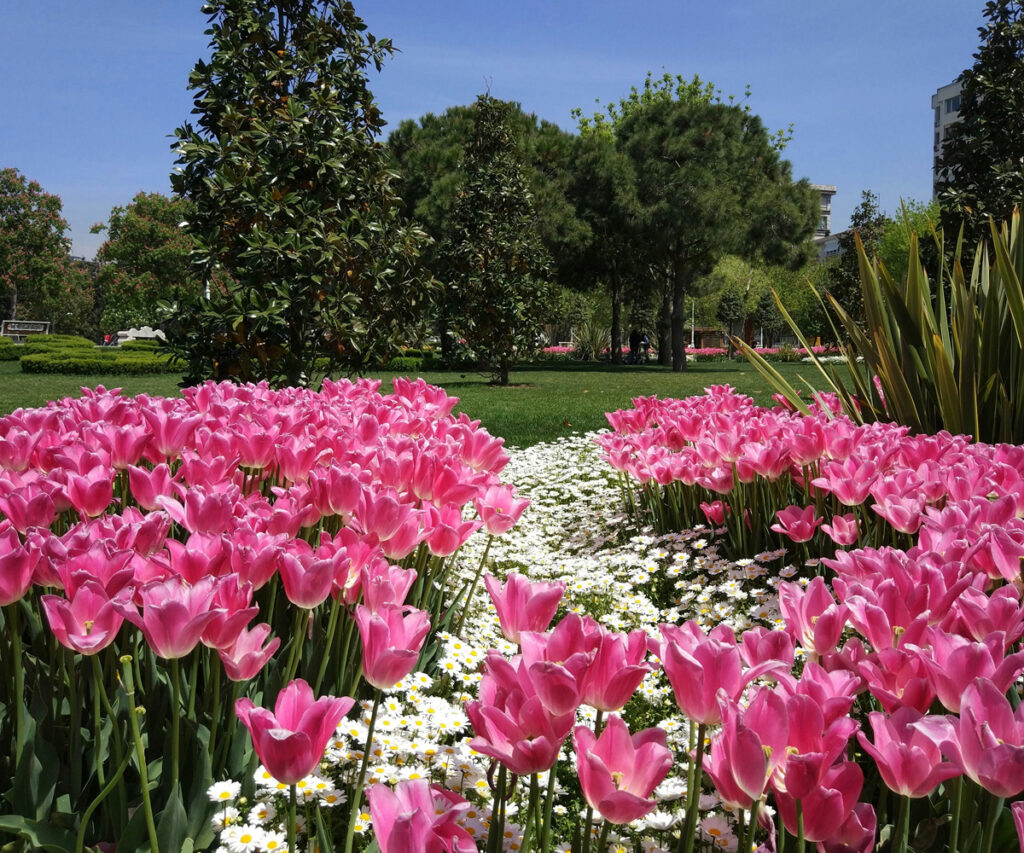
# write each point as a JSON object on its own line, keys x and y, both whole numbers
{"x": 307, "y": 580}
{"x": 174, "y": 615}
{"x": 617, "y": 668}
{"x": 618, "y": 772}
{"x": 953, "y": 662}
{"x": 812, "y": 615}
{"x": 418, "y": 818}
{"x": 843, "y": 530}
{"x": 247, "y": 655}
{"x": 88, "y": 622}
{"x": 392, "y": 638}
{"x": 797, "y": 523}
{"x": 291, "y": 741}
{"x": 749, "y": 747}
{"x": 523, "y": 606}
{"x": 500, "y": 509}
{"x": 1017, "y": 810}
{"x": 827, "y": 806}
{"x": 908, "y": 761}
{"x": 987, "y": 739}
{"x": 856, "y": 835}
{"x": 511, "y": 723}
{"x": 17, "y": 564}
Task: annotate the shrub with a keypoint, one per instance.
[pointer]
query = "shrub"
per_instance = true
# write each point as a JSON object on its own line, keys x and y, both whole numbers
{"x": 405, "y": 364}
{"x": 99, "y": 361}
{"x": 139, "y": 346}
{"x": 9, "y": 351}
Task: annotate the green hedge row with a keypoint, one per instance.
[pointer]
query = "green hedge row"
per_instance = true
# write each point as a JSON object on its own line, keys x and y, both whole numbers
{"x": 9, "y": 351}
{"x": 80, "y": 362}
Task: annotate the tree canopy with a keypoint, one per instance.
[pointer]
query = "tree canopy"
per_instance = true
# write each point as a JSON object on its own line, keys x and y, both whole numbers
{"x": 145, "y": 258}
{"x": 293, "y": 198}
{"x": 37, "y": 278}
{"x": 982, "y": 163}
{"x": 499, "y": 292}
{"x": 709, "y": 183}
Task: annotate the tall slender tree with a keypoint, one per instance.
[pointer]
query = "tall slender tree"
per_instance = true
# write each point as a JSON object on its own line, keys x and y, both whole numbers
{"x": 499, "y": 292}
{"x": 293, "y": 198}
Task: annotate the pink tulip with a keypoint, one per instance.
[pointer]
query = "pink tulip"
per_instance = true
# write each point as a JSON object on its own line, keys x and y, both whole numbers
{"x": 174, "y": 615}
{"x": 759, "y": 645}
{"x": 511, "y": 723}
{"x": 291, "y": 741}
{"x": 618, "y": 772}
{"x": 812, "y": 615}
{"x": 17, "y": 564}
{"x": 843, "y": 530}
{"x": 30, "y": 507}
{"x": 307, "y": 581}
{"x": 827, "y": 806}
{"x": 88, "y": 622}
{"x": 953, "y": 663}
{"x": 797, "y": 523}
{"x": 908, "y": 761}
{"x": 418, "y": 818}
{"x": 232, "y": 602}
{"x": 1017, "y": 810}
{"x": 392, "y": 639}
{"x": 447, "y": 531}
{"x": 247, "y": 655}
{"x": 384, "y": 585}
{"x": 987, "y": 740}
{"x": 148, "y": 486}
{"x": 522, "y": 605}
{"x": 616, "y": 670}
{"x": 856, "y": 835}
{"x": 749, "y": 747}
{"x": 897, "y": 678}
{"x": 698, "y": 666}
{"x": 714, "y": 512}
{"x": 500, "y": 509}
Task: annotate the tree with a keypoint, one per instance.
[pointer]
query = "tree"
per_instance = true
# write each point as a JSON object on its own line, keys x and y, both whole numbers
{"x": 499, "y": 292}
{"x": 145, "y": 258}
{"x": 37, "y": 278}
{"x": 919, "y": 219}
{"x": 293, "y": 198}
{"x": 710, "y": 183}
{"x": 868, "y": 223}
{"x": 428, "y": 155}
{"x": 982, "y": 164}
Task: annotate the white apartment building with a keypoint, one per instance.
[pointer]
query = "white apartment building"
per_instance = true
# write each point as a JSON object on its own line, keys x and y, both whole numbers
{"x": 826, "y": 242}
{"x": 946, "y": 108}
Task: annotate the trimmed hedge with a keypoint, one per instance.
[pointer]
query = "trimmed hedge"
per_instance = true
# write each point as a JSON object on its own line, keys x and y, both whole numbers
{"x": 9, "y": 351}
{"x": 139, "y": 346}
{"x": 35, "y": 347}
{"x": 404, "y": 363}
{"x": 100, "y": 361}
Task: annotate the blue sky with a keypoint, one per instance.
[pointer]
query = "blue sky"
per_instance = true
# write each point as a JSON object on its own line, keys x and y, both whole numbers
{"x": 94, "y": 88}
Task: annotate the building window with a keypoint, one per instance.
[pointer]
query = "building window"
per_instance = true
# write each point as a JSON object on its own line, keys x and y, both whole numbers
{"x": 825, "y": 200}
{"x": 938, "y": 113}
{"x": 953, "y": 104}
{"x": 823, "y": 224}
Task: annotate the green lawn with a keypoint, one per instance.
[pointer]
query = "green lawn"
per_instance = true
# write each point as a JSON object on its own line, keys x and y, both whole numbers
{"x": 543, "y": 403}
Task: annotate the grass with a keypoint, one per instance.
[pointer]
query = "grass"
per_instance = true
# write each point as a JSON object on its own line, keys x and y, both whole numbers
{"x": 543, "y": 403}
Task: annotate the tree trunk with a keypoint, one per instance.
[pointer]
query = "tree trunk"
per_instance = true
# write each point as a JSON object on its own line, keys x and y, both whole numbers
{"x": 679, "y": 288}
{"x": 665, "y": 329}
{"x": 616, "y": 323}
{"x": 503, "y": 374}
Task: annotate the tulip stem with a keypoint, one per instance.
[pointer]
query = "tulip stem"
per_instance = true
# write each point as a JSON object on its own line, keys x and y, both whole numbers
{"x": 294, "y": 654}
{"x": 140, "y": 752}
{"x": 995, "y": 806}
{"x": 531, "y": 815}
{"x": 100, "y": 797}
{"x": 472, "y": 587}
{"x": 545, "y": 837}
{"x": 496, "y": 830}
{"x": 332, "y": 626}
{"x": 957, "y": 804}
{"x": 291, "y": 819}
{"x": 357, "y": 788}
{"x": 602, "y": 843}
{"x": 693, "y": 794}
{"x": 20, "y": 723}
{"x": 903, "y": 828}
{"x": 175, "y": 719}
{"x": 215, "y": 714}
{"x": 751, "y": 826}
{"x": 799, "y": 826}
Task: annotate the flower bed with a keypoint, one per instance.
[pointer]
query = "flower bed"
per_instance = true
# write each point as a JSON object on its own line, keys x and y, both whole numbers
{"x": 681, "y": 700}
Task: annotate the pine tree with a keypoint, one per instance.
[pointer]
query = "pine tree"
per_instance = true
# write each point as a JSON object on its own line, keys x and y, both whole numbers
{"x": 499, "y": 295}
{"x": 293, "y": 199}
{"x": 983, "y": 156}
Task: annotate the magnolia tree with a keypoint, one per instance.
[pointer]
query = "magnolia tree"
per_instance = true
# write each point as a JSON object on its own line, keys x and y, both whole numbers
{"x": 293, "y": 199}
